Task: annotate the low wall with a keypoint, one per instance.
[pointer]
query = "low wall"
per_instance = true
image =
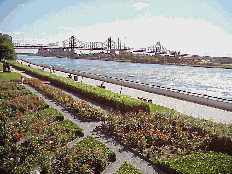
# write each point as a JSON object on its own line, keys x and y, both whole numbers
{"x": 155, "y": 89}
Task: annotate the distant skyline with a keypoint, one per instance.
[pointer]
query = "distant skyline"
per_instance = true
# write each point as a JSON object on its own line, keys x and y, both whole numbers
{"x": 188, "y": 26}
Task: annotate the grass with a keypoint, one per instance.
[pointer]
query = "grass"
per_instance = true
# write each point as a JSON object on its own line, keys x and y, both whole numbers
{"x": 6, "y": 76}
{"x": 199, "y": 163}
{"x": 154, "y": 108}
{"x": 127, "y": 168}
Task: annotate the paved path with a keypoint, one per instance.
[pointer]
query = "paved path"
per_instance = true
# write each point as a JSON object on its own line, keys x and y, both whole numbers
{"x": 181, "y": 106}
{"x": 123, "y": 153}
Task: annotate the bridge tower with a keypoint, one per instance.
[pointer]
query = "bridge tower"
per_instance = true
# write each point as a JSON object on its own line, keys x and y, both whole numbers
{"x": 72, "y": 43}
{"x": 109, "y": 43}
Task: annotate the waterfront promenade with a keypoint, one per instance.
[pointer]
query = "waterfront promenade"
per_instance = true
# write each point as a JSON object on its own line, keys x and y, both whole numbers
{"x": 181, "y": 106}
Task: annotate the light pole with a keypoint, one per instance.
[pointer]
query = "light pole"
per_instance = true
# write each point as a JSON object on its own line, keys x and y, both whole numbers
{"x": 124, "y": 80}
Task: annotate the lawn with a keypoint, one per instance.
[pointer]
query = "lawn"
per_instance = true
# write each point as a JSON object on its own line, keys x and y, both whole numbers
{"x": 127, "y": 168}
{"x": 6, "y": 76}
{"x": 154, "y": 108}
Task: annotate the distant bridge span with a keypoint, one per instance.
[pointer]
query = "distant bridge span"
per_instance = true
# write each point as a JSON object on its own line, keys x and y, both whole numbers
{"x": 109, "y": 44}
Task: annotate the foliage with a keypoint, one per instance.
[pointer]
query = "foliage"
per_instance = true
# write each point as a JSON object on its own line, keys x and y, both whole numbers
{"x": 123, "y": 102}
{"x": 6, "y": 49}
{"x": 87, "y": 156}
{"x": 81, "y": 108}
{"x": 202, "y": 163}
{"x": 127, "y": 168}
{"x": 168, "y": 134}
{"x": 29, "y": 133}
{"x": 155, "y": 108}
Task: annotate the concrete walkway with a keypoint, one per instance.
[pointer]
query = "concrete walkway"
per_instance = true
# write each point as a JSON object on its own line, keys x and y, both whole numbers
{"x": 181, "y": 106}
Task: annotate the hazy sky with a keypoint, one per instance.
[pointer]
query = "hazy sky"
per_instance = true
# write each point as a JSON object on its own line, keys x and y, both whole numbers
{"x": 189, "y": 26}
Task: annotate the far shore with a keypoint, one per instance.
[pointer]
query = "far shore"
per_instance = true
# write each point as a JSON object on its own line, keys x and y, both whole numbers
{"x": 212, "y": 62}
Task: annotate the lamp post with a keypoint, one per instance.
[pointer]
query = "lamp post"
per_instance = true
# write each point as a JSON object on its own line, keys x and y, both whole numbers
{"x": 124, "y": 80}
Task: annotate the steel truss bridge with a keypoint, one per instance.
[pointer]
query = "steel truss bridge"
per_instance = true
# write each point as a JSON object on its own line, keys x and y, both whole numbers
{"x": 109, "y": 44}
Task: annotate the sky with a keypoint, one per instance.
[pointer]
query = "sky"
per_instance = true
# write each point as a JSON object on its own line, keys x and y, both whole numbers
{"x": 189, "y": 26}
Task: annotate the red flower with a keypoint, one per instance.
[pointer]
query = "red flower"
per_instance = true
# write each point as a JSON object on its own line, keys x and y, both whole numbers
{"x": 70, "y": 164}
{"x": 19, "y": 137}
{"x": 100, "y": 153}
{"x": 20, "y": 113}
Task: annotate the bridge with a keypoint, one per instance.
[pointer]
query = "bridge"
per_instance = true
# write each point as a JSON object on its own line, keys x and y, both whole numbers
{"x": 108, "y": 45}
{"x": 73, "y": 44}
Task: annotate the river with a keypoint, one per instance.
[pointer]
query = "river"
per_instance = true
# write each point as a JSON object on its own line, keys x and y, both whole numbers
{"x": 216, "y": 82}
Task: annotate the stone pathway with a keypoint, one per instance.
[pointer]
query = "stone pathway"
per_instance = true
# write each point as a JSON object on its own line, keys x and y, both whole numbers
{"x": 123, "y": 153}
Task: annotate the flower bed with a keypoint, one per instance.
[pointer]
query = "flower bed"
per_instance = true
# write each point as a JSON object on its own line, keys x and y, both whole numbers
{"x": 21, "y": 104}
{"x": 81, "y": 108}
{"x": 124, "y": 102}
{"x": 127, "y": 168}
{"x": 209, "y": 162}
{"x": 10, "y": 86}
{"x": 29, "y": 130}
{"x": 87, "y": 156}
{"x": 168, "y": 135}
{"x": 13, "y": 93}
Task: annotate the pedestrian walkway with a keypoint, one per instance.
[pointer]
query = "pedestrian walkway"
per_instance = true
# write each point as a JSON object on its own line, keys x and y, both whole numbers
{"x": 185, "y": 107}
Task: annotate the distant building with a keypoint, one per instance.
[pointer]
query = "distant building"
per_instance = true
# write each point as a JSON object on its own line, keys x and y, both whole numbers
{"x": 6, "y": 36}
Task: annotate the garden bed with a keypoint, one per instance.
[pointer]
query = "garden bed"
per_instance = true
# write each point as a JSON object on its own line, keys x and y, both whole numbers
{"x": 164, "y": 135}
{"x": 87, "y": 156}
{"x": 80, "y": 108}
{"x": 30, "y": 131}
